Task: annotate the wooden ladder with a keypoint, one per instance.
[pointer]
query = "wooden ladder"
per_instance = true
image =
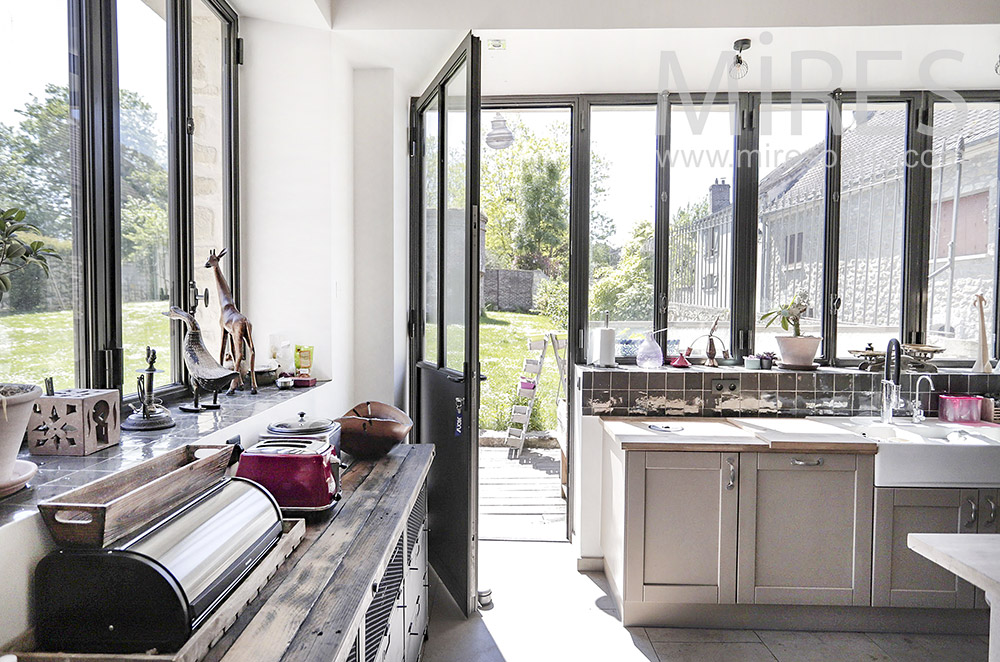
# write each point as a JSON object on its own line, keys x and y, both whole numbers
{"x": 525, "y": 392}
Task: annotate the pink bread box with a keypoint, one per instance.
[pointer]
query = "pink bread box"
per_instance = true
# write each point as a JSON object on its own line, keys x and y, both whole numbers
{"x": 960, "y": 408}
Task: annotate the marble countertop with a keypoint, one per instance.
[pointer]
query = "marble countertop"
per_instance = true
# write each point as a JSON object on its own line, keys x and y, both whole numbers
{"x": 973, "y": 557}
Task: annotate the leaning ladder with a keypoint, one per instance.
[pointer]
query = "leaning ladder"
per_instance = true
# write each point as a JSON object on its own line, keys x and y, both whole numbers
{"x": 525, "y": 392}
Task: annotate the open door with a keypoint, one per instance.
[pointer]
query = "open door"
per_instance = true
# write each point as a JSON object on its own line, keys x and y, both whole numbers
{"x": 444, "y": 316}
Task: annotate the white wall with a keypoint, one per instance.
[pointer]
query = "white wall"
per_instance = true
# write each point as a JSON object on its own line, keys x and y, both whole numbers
{"x": 297, "y": 194}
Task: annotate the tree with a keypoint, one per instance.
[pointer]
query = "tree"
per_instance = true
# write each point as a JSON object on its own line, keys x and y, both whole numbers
{"x": 541, "y": 240}
{"x": 626, "y": 289}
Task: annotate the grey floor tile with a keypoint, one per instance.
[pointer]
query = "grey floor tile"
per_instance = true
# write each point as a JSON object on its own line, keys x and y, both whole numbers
{"x": 698, "y": 635}
{"x": 822, "y": 646}
{"x": 712, "y": 652}
{"x": 931, "y": 647}
{"x": 641, "y": 642}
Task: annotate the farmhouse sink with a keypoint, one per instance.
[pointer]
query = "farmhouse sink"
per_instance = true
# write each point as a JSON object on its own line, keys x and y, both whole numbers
{"x": 929, "y": 454}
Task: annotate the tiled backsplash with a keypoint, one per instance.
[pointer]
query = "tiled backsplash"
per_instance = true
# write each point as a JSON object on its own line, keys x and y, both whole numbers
{"x": 667, "y": 391}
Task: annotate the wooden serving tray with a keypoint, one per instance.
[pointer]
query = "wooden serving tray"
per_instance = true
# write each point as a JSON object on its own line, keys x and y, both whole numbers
{"x": 111, "y": 508}
{"x": 211, "y": 631}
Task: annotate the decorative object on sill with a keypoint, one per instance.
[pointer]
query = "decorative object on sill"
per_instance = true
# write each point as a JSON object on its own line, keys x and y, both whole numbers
{"x": 237, "y": 332}
{"x": 649, "y": 354}
{"x": 710, "y": 351}
{"x": 917, "y": 358}
{"x": 303, "y": 381}
{"x": 797, "y": 351}
{"x": 149, "y": 414}
{"x": 602, "y": 344}
{"x": 738, "y": 68}
{"x": 16, "y": 402}
{"x": 282, "y": 352}
{"x": 680, "y": 362}
{"x": 627, "y": 347}
{"x": 767, "y": 360}
{"x": 751, "y": 362}
{"x": 982, "y": 363}
{"x": 500, "y": 136}
{"x": 371, "y": 429}
{"x": 75, "y": 422}
{"x": 206, "y": 374}
{"x": 284, "y": 383}
{"x": 960, "y": 408}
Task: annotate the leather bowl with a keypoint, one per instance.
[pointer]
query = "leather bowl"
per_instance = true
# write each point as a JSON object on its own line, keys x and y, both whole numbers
{"x": 371, "y": 429}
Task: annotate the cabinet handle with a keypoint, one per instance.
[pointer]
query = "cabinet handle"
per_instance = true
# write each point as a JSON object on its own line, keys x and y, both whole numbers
{"x": 975, "y": 513}
{"x": 993, "y": 512}
{"x": 732, "y": 473}
{"x": 818, "y": 462}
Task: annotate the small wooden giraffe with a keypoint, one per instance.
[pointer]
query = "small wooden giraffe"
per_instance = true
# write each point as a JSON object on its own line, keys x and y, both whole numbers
{"x": 236, "y": 328}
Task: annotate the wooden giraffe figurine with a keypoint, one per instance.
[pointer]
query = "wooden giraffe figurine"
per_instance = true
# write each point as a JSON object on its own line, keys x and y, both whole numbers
{"x": 236, "y": 328}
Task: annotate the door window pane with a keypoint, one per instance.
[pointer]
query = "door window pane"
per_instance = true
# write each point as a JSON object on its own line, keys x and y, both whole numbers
{"x": 963, "y": 255}
{"x": 210, "y": 159}
{"x": 146, "y": 277}
{"x": 430, "y": 183}
{"x": 701, "y": 160}
{"x": 455, "y": 145}
{"x": 622, "y": 193}
{"x": 790, "y": 211}
{"x": 39, "y": 162}
{"x": 872, "y": 185}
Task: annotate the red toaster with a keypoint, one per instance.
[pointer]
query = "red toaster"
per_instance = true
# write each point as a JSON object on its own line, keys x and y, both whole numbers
{"x": 302, "y": 474}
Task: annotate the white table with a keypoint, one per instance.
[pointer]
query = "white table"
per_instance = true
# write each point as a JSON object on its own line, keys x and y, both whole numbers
{"x": 973, "y": 557}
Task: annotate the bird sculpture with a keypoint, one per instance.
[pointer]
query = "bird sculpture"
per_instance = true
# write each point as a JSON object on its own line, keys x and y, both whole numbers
{"x": 205, "y": 371}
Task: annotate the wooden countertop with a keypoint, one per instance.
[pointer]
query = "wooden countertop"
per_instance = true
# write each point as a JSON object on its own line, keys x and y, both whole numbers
{"x": 312, "y": 607}
{"x": 727, "y": 435}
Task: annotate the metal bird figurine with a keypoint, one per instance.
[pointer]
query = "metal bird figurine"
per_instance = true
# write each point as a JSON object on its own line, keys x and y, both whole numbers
{"x": 205, "y": 371}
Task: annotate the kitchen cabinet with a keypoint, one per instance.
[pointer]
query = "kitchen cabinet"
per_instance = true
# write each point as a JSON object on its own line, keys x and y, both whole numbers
{"x": 900, "y": 576}
{"x": 805, "y": 529}
{"x": 681, "y": 526}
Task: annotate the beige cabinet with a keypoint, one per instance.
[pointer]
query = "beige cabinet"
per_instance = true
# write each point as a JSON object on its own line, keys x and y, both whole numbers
{"x": 900, "y": 576}
{"x": 805, "y": 529}
{"x": 681, "y": 527}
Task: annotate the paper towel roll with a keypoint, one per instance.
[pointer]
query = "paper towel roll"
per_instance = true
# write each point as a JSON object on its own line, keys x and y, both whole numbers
{"x": 602, "y": 347}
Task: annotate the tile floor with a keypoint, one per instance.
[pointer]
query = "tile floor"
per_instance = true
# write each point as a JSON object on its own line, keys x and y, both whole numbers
{"x": 545, "y": 610}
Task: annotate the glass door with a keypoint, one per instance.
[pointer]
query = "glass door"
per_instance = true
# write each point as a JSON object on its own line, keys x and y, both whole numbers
{"x": 444, "y": 330}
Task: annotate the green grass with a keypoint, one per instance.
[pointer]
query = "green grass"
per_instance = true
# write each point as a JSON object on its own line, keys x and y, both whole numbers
{"x": 503, "y": 347}
{"x": 34, "y": 346}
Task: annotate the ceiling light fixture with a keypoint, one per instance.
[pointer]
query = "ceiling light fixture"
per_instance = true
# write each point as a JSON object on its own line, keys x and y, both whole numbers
{"x": 738, "y": 69}
{"x": 499, "y": 137}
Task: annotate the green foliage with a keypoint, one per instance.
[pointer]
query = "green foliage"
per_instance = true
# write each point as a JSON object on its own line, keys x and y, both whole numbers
{"x": 683, "y": 244}
{"x": 542, "y": 232}
{"x": 626, "y": 288}
{"x": 21, "y": 246}
{"x": 552, "y": 300}
{"x": 789, "y": 314}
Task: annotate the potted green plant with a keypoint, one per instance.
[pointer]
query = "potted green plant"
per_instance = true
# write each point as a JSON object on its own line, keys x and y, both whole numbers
{"x": 766, "y": 360}
{"x": 797, "y": 350}
{"x": 21, "y": 247}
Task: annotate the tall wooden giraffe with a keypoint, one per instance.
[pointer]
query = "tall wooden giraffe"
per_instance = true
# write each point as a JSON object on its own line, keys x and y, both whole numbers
{"x": 236, "y": 328}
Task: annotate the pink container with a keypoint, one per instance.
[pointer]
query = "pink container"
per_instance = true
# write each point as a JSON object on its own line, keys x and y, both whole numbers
{"x": 525, "y": 384}
{"x": 960, "y": 408}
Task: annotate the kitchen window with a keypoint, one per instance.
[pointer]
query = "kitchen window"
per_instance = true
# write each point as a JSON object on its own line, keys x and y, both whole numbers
{"x": 95, "y": 168}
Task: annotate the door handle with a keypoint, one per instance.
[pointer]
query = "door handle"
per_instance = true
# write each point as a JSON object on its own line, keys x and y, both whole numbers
{"x": 975, "y": 513}
{"x": 482, "y": 377}
{"x": 818, "y": 462}
{"x": 458, "y": 379}
{"x": 993, "y": 512}
{"x": 732, "y": 473}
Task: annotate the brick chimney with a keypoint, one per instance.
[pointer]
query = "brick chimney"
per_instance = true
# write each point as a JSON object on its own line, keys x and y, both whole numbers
{"x": 719, "y": 195}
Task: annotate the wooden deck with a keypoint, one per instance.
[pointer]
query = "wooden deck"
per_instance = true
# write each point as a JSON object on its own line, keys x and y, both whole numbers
{"x": 520, "y": 498}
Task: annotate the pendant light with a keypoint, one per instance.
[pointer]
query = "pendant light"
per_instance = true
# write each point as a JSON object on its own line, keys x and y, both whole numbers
{"x": 500, "y": 136}
{"x": 738, "y": 69}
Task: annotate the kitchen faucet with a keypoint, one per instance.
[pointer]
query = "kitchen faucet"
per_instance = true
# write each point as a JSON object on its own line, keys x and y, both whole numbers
{"x": 918, "y": 410}
{"x": 890, "y": 380}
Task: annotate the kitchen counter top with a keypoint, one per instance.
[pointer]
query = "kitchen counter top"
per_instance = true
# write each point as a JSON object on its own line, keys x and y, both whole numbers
{"x": 734, "y": 435}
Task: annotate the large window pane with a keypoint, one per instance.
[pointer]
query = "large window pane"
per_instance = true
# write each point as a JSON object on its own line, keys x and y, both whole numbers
{"x": 790, "y": 210}
{"x": 963, "y": 249}
{"x": 455, "y": 222}
{"x": 430, "y": 185}
{"x": 39, "y": 140}
{"x": 146, "y": 277}
{"x": 872, "y": 182}
{"x": 622, "y": 193}
{"x": 702, "y": 145}
{"x": 210, "y": 158}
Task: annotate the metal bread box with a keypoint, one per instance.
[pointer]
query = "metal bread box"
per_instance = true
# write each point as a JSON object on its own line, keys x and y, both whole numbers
{"x": 150, "y": 591}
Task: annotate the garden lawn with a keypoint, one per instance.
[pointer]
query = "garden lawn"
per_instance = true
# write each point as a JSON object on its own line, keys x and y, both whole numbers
{"x": 503, "y": 347}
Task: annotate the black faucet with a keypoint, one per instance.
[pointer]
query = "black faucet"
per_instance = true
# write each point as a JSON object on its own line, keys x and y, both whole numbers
{"x": 890, "y": 380}
{"x": 896, "y": 350}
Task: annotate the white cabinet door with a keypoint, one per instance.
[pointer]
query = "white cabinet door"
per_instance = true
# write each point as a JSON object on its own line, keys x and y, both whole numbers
{"x": 805, "y": 529}
{"x": 683, "y": 524}
{"x": 900, "y": 576}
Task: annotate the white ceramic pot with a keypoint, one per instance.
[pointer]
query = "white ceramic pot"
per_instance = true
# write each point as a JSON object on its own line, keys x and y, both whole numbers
{"x": 19, "y": 399}
{"x": 798, "y": 351}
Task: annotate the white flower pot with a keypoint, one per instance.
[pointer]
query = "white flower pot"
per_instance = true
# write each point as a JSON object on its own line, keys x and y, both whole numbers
{"x": 798, "y": 351}
{"x": 20, "y": 398}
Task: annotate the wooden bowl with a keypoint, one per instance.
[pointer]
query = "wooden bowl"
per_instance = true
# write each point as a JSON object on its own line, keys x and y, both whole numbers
{"x": 371, "y": 429}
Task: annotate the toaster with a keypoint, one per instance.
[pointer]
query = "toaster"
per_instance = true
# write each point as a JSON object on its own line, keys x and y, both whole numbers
{"x": 302, "y": 473}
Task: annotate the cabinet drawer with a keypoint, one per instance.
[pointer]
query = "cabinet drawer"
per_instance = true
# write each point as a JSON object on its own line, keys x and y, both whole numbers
{"x": 806, "y": 462}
